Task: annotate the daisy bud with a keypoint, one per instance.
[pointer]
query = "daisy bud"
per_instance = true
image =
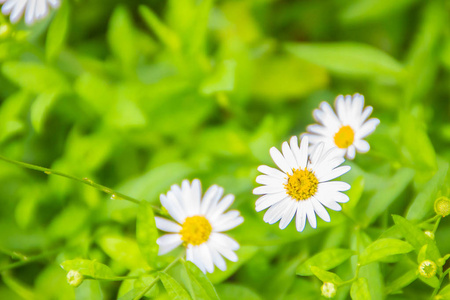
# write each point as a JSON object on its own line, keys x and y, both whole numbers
{"x": 430, "y": 234}
{"x": 427, "y": 268}
{"x": 328, "y": 290}
{"x": 75, "y": 278}
{"x": 442, "y": 206}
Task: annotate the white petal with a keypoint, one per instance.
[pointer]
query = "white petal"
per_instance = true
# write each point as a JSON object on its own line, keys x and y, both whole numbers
{"x": 319, "y": 130}
{"x": 188, "y": 202}
{"x": 227, "y": 253}
{"x": 272, "y": 172}
{"x": 310, "y": 214}
{"x": 333, "y": 186}
{"x": 218, "y": 259}
{"x": 275, "y": 212}
{"x": 362, "y": 146}
{"x": 168, "y": 242}
{"x": 340, "y": 108}
{"x": 302, "y": 157}
{"x": 53, "y": 3}
{"x": 351, "y": 151}
{"x": 173, "y": 207}
{"x": 223, "y": 205}
{"x": 327, "y": 201}
{"x": 166, "y": 225}
{"x": 8, "y": 6}
{"x": 269, "y": 200}
{"x": 223, "y": 241}
{"x": 315, "y": 155}
{"x": 29, "y": 12}
{"x": 288, "y": 214}
{"x": 289, "y": 156}
{"x": 228, "y": 221}
{"x": 189, "y": 252}
{"x": 339, "y": 171}
{"x": 357, "y": 106}
{"x": 280, "y": 161}
{"x": 300, "y": 220}
{"x": 206, "y": 257}
{"x": 41, "y": 10}
{"x": 269, "y": 180}
{"x": 197, "y": 258}
{"x": 367, "y": 128}
{"x": 17, "y": 11}
{"x": 366, "y": 113}
{"x": 213, "y": 193}
{"x": 265, "y": 189}
{"x": 320, "y": 210}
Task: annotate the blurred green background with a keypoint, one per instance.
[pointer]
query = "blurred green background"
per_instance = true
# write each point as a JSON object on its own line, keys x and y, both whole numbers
{"x": 138, "y": 95}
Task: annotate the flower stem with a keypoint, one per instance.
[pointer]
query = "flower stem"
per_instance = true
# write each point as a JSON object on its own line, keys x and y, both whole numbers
{"x": 114, "y": 194}
{"x": 28, "y": 259}
{"x": 436, "y": 225}
{"x": 436, "y": 290}
{"x": 141, "y": 294}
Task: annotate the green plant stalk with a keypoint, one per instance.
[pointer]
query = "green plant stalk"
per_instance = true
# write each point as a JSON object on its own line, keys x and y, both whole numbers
{"x": 28, "y": 260}
{"x": 436, "y": 225}
{"x": 114, "y": 194}
{"x": 436, "y": 290}
{"x": 141, "y": 294}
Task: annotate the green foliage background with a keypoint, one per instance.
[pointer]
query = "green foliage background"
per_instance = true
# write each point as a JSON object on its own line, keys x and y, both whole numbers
{"x": 138, "y": 95}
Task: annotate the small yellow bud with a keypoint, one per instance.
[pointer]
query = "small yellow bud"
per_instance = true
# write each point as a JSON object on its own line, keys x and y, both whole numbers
{"x": 430, "y": 234}
{"x": 75, "y": 278}
{"x": 427, "y": 268}
{"x": 328, "y": 290}
{"x": 442, "y": 206}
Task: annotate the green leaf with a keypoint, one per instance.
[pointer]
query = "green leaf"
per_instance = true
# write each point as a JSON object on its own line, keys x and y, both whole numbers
{"x": 122, "y": 249}
{"x": 40, "y": 109}
{"x": 146, "y": 232}
{"x": 35, "y": 77}
{"x": 230, "y": 291}
{"x": 221, "y": 80}
{"x": 122, "y": 37}
{"x": 360, "y": 290}
{"x": 326, "y": 276}
{"x": 369, "y": 10}
{"x": 165, "y": 34}
{"x": 384, "y": 197}
{"x": 423, "y": 202}
{"x": 433, "y": 281}
{"x": 173, "y": 288}
{"x": 327, "y": 259}
{"x": 382, "y": 248}
{"x": 445, "y": 293}
{"x": 200, "y": 281}
{"x": 349, "y": 59}
{"x": 404, "y": 280}
{"x": 355, "y": 193}
{"x": 414, "y": 136}
{"x": 416, "y": 237}
{"x": 89, "y": 268}
{"x": 57, "y": 31}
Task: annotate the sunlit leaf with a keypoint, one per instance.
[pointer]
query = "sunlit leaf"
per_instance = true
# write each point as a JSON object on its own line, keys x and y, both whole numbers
{"x": 382, "y": 248}
{"x": 349, "y": 59}
{"x": 146, "y": 232}
{"x": 360, "y": 290}
{"x": 326, "y": 260}
{"x": 173, "y": 288}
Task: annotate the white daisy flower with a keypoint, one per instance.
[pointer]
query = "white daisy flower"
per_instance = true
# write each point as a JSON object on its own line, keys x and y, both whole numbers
{"x": 200, "y": 222}
{"x": 34, "y": 9}
{"x": 345, "y": 130}
{"x": 303, "y": 185}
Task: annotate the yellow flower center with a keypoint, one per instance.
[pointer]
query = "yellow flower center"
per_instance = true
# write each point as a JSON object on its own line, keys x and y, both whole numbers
{"x": 301, "y": 185}
{"x": 344, "y": 137}
{"x": 427, "y": 268}
{"x": 195, "y": 230}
